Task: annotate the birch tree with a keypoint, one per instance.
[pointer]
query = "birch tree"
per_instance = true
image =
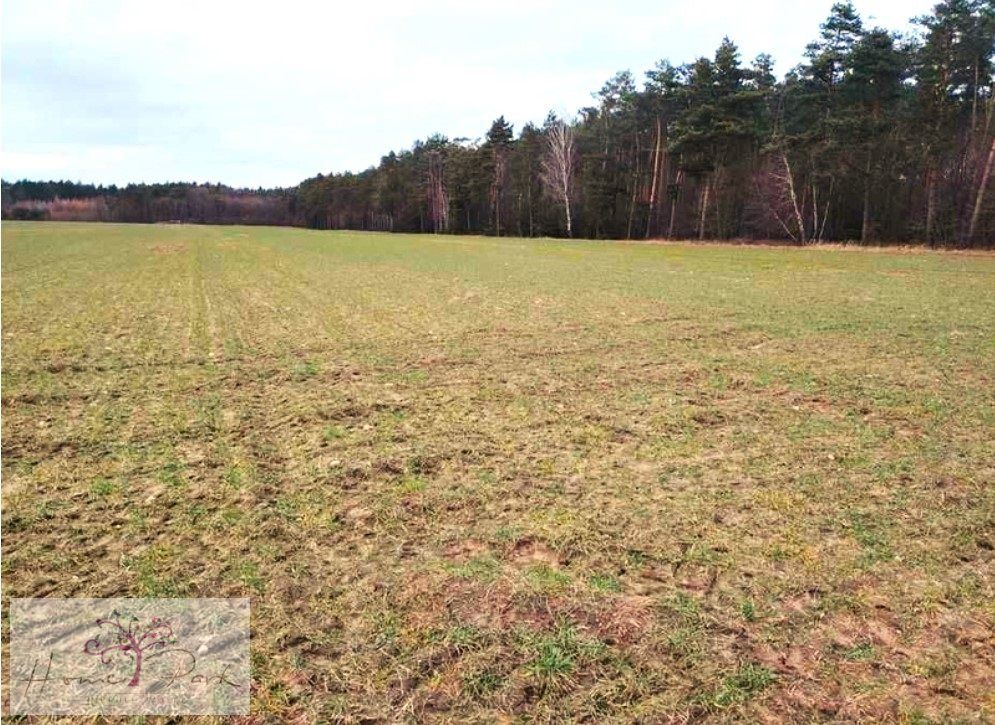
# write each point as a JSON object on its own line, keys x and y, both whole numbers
{"x": 559, "y": 165}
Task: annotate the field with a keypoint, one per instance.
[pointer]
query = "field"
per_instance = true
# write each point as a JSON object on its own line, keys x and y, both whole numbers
{"x": 479, "y": 478}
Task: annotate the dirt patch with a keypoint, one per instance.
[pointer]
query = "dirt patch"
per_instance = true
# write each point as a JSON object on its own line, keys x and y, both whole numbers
{"x": 499, "y": 606}
{"x": 164, "y": 249}
{"x": 619, "y": 620}
{"x": 469, "y": 549}
{"x": 530, "y": 551}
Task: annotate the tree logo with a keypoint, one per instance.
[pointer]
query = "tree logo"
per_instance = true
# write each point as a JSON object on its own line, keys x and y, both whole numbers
{"x": 125, "y": 634}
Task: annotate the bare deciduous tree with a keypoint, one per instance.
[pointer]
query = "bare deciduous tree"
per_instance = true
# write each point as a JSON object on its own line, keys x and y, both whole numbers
{"x": 979, "y": 197}
{"x": 438, "y": 197}
{"x": 559, "y": 165}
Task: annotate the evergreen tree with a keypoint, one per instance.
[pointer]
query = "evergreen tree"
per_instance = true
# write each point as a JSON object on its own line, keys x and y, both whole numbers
{"x": 499, "y": 140}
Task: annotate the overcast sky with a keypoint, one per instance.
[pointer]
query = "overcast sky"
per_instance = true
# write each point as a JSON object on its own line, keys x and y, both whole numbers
{"x": 269, "y": 94}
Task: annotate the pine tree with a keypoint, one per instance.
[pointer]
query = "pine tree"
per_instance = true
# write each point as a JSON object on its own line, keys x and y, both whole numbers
{"x": 499, "y": 139}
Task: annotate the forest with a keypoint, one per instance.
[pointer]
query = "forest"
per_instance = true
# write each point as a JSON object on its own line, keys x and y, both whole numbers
{"x": 875, "y": 137}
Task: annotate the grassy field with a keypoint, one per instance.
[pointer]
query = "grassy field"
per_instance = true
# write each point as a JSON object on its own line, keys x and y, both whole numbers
{"x": 479, "y": 479}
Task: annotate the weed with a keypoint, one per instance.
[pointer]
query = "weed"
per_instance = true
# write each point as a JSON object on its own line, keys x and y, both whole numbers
{"x": 286, "y": 507}
{"x": 545, "y": 579}
{"x": 683, "y": 604}
{"x": 508, "y": 533}
{"x": 604, "y": 583}
{"x": 333, "y": 432}
{"x": 153, "y": 570}
{"x": 860, "y": 652}
{"x": 247, "y": 572}
{"x": 748, "y": 611}
{"x": 870, "y": 536}
{"x": 482, "y": 683}
{"x": 482, "y": 568}
{"x": 411, "y": 484}
{"x": 464, "y": 637}
{"x": 171, "y": 474}
{"x": 304, "y": 370}
{"x": 552, "y": 661}
{"x": 103, "y": 487}
{"x": 555, "y": 655}
{"x": 234, "y": 476}
{"x": 746, "y": 682}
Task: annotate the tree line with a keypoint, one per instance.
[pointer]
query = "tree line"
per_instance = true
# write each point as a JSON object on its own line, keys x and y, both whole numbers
{"x": 148, "y": 203}
{"x": 874, "y": 136}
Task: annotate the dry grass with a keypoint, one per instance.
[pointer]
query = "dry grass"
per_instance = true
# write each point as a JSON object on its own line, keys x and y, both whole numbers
{"x": 479, "y": 479}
